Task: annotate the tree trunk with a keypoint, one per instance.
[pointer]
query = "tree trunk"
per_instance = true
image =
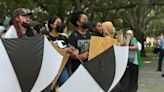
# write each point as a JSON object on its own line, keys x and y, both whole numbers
{"x": 140, "y": 27}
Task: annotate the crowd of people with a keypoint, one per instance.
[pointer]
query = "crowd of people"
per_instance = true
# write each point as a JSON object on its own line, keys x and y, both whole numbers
{"x": 77, "y": 43}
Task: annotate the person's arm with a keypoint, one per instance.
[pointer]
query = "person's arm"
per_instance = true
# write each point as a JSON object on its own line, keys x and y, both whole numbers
{"x": 72, "y": 51}
{"x": 133, "y": 45}
{"x": 76, "y": 53}
{"x": 84, "y": 56}
{"x": 72, "y": 40}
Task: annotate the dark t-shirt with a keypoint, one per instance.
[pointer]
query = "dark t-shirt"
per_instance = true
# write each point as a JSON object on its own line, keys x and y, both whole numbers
{"x": 29, "y": 32}
{"x": 81, "y": 43}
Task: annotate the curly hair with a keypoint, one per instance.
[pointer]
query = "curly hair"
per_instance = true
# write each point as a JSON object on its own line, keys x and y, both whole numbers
{"x": 75, "y": 16}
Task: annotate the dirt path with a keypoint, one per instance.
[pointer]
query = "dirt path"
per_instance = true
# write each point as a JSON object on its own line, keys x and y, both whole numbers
{"x": 149, "y": 79}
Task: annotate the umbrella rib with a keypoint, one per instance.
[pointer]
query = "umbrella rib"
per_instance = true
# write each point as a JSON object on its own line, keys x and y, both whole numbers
{"x": 81, "y": 61}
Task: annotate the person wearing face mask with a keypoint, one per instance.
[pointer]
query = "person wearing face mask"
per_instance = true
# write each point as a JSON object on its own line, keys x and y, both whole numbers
{"x": 56, "y": 27}
{"x": 20, "y": 24}
{"x": 79, "y": 37}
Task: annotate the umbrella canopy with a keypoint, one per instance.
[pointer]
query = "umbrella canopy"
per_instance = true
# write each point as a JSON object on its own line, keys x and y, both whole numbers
{"x": 27, "y": 64}
{"x": 100, "y": 74}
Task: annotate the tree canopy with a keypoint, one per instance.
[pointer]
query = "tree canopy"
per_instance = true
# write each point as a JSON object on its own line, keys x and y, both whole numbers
{"x": 138, "y": 15}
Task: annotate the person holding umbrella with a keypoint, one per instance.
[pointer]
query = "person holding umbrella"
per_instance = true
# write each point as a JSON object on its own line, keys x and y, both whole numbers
{"x": 20, "y": 24}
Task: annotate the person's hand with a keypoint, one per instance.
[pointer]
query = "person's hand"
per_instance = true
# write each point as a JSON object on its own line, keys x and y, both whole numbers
{"x": 69, "y": 49}
{"x": 84, "y": 56}
{"x": 74, "y": 54}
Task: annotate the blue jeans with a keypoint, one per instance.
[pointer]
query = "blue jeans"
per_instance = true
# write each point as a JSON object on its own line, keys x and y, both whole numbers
{"x": 131, "y": 60}
{"x": 161, "y": 55}
{"x": 63, "y": 77}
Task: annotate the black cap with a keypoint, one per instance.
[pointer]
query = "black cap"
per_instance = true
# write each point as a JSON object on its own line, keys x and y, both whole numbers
{"x": 21, "y": 11}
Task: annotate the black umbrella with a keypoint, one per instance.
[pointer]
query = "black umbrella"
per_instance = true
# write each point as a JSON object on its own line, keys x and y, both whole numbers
{"x": 33, "y": 61}
{"x": 101, "y": 74}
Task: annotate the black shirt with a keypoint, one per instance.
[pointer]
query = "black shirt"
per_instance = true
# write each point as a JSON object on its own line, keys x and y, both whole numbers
{"x": 30, "y": 33}
{"x": 80, "y": 42}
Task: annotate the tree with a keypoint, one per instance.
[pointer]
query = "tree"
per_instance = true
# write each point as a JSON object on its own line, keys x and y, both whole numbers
{"x": 125, "y": 14}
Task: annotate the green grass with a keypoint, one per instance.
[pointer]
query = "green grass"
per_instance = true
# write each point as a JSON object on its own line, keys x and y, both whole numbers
{"x": 149, "y": 49}
{"x": 150, "y": 55}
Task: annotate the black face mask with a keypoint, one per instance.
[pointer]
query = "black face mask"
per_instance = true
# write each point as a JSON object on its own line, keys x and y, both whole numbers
{"x": 60, "y": 28}
{"x": 85, "y": 25}
{"x": 25, "y": 25}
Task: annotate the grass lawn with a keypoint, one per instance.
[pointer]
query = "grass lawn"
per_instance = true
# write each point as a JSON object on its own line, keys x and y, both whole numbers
{"x": 150, "y": 55}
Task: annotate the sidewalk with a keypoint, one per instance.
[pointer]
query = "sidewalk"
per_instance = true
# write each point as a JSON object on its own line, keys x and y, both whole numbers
{"x": 149, "y": 79}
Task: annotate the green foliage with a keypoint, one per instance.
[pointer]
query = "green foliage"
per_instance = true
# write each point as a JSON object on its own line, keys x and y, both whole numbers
{"x": 138, "y": 15}
{"x": 155, "y": 28}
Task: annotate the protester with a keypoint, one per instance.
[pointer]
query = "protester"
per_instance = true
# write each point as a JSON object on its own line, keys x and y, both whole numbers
{"x": 161, "y": 54}
{"x": 64, "y": 30}
{"x": 77, "y": 44}
{"x": 79, "y": 37}
{"x": 108, "y": 29}
{"x": 55, "y": 26}
{"x": 96, "y": 28}
{"x": 20, "y": 27}
{"x": 20, "y": 24}
{"x": 129, "y": 81}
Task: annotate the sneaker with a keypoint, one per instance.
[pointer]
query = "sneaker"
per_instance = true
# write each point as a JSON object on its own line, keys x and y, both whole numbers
{"x": 162, "y": 75}
{"x": 159, "y": 70}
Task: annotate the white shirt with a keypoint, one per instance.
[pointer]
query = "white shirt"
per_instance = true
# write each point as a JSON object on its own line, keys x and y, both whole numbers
{"x": 11, "y": 33}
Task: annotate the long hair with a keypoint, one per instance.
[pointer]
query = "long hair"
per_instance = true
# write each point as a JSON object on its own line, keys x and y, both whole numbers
{"x": 51, "y": 21}
{"x": 17, "y": 27}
